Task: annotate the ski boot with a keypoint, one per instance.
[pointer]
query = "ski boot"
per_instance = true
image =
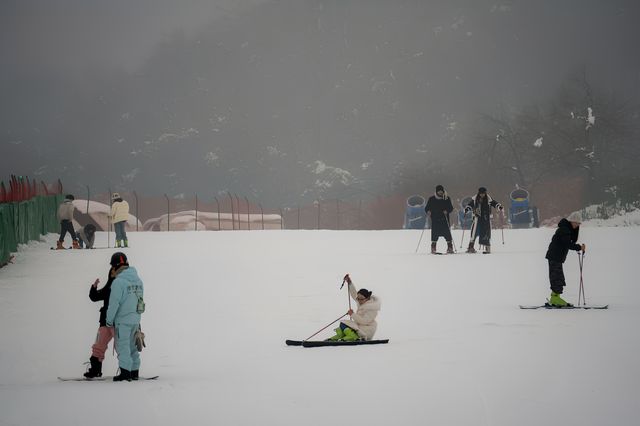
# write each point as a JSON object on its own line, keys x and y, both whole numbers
{"x": 339, "y": 335}
{"x": 350, "y": 335}
{"x": 75, "y": 244}
{"x": 95, "y": 370}
{"x": 470, "y": 249}
{"x": 487, "y": 250}
{"x": 125, "y": 375}
{"x": 118, "y": 244}
{"x": 450, "y": 247}
{"x": 557, "y": 301}
{"x": 59, "y": 246}
{"x": 135, "y": 374}
{"x": 126, "y": 243}
{"x": 433, "y": 248}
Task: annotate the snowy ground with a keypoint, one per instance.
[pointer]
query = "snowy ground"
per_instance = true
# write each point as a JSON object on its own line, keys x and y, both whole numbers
{"x": 221, "y": 304}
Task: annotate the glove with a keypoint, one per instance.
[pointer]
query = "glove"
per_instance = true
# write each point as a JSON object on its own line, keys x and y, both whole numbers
{"x": 347, "y": 278}
{"x": 499, "y": 207}
{"x": 467, "y": 209}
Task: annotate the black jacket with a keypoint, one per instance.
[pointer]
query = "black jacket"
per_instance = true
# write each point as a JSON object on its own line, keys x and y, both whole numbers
{"x": 482, "y": 207}
{"x": 437, "y": 206}
{"x": 564, "y": 239}
{"x": 103, "y": 294}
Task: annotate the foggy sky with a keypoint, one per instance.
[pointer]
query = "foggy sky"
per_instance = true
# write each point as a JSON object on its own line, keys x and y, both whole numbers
{"x": 288, "y": 83}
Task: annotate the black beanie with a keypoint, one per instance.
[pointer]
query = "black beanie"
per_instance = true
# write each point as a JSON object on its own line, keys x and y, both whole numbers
{"x": 482, "y": 189}
{"x": 439, "y": 188}
{"x": 366, "y": 293}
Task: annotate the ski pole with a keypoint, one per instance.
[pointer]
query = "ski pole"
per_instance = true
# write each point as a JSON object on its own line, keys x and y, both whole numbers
{"x": 581, "y": 289}
{"x": 446, "y": 217}
{"x": 332, "y": 322}
{"x": 502, "y": 225}
{"x": 420, "y": 240}
{"x": 464, "y": 216}
{"x": 348, "y": 295}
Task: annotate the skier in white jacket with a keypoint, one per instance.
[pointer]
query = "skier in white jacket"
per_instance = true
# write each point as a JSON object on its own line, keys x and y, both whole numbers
{"x": 362, "y": 325}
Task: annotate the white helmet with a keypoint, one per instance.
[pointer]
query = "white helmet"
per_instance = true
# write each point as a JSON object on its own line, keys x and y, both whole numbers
{"x": 115, "y": 196}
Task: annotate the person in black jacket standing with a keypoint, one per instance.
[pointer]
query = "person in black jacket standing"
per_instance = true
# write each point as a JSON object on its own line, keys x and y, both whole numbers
{"x": 438, "y": 208}
{"x": 105, "y": 334}
{"x": 564, "y": 239}
{"x": 480, "y": 206}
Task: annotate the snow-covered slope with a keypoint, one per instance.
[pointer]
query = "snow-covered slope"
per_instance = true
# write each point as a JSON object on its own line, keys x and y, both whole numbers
{"x": 221, "y": 304}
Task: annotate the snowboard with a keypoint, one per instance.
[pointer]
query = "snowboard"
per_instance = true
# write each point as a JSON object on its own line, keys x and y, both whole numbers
{"x": 548, "y": 306}
{"x": 319, "y": 343}
{"x": 100, "y": 379}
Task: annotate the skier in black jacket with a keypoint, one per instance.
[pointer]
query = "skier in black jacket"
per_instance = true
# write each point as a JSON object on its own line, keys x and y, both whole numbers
{"x": 105, "y": 334}
{"x": 564, "y": 239}
{"x": 438, "y": 207}
{"x": 480, "y": 206}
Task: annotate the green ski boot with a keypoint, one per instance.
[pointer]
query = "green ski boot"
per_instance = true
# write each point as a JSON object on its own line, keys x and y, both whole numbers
{"x": 350, "y": 335}
{"x": 556, "y": 300}
{"x": 339, "y": 335}
{"x": 126, "y": 243}
{"x": 117, "y": 243}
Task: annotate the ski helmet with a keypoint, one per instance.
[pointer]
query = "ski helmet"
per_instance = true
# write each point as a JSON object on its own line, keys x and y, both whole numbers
{"x": 118, "y": 259}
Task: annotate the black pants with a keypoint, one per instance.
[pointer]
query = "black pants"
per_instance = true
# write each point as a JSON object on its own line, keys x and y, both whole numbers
{"x": 440, "y": 231}
{"x": 556, "y": 277}
{"x": 481, "y": 229}
{"x": 67, "y": 226}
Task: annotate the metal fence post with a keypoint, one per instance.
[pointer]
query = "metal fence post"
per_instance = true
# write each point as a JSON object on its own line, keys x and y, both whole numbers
{"x": 248, "y": 216}
{"x": 137, "y": 213}
{"x": 168, "y": 213}
{"x": 218, "y": 204}
{"x": 233, "y": 224}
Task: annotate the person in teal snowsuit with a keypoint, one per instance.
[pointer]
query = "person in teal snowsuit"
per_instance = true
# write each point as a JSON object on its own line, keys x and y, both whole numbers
{"x": 126, "y": 289}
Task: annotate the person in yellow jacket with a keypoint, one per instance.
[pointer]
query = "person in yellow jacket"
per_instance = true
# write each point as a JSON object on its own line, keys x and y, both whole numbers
{"x": 119, "y": 215}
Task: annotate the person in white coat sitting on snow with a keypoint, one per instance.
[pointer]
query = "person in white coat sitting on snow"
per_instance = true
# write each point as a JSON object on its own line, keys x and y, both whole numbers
{"x": 362, "y": 325}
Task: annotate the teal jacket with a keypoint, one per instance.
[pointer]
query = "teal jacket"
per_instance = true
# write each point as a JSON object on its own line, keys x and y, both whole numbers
{"x": 123, "y": 301}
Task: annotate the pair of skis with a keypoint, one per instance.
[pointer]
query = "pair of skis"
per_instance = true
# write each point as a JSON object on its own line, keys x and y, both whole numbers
{"x": 549, "y": 306}
{"x": 320, "y": 343}
{"x": 99, "y": 379}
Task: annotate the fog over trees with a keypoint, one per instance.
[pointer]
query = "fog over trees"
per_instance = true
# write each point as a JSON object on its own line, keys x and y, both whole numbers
{"x": 292, "y": 101}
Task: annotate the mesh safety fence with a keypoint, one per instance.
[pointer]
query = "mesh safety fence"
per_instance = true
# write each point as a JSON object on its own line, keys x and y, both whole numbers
{"x": 23, "y": 221}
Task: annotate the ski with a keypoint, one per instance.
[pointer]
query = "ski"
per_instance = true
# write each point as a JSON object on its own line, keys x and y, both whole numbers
{"x": 64, "y": 248}
{"x": 548, "y": 306}
{"x": 319, "y": 343}
{"x": 99, "y": 379}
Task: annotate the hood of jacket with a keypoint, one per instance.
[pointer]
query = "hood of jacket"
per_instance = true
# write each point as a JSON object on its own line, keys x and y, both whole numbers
{"x": 564, "y": 223}
{"x": 128, "y": 273}
{"x": 373, "y": 304}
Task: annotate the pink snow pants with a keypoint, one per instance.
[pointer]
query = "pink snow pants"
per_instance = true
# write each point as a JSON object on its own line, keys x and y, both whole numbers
{"x": 104, "y": 336}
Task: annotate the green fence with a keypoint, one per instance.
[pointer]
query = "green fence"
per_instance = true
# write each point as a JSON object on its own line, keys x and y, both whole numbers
{"x": 23, "y": 221}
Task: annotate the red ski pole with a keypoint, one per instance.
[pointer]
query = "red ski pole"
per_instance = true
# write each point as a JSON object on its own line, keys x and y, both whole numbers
{"x": 332, "y": 322}
{"x": 344, "y": 280}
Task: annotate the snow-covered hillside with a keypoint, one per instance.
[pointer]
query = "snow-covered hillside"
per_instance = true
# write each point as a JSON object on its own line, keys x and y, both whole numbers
{"x": 221, "y": 304}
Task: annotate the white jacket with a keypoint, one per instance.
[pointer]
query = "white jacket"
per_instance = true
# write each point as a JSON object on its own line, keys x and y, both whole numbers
{"x": 65, "y": 211}
{"x": 364, "y": 319}
{"x": 120, "y": 211}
